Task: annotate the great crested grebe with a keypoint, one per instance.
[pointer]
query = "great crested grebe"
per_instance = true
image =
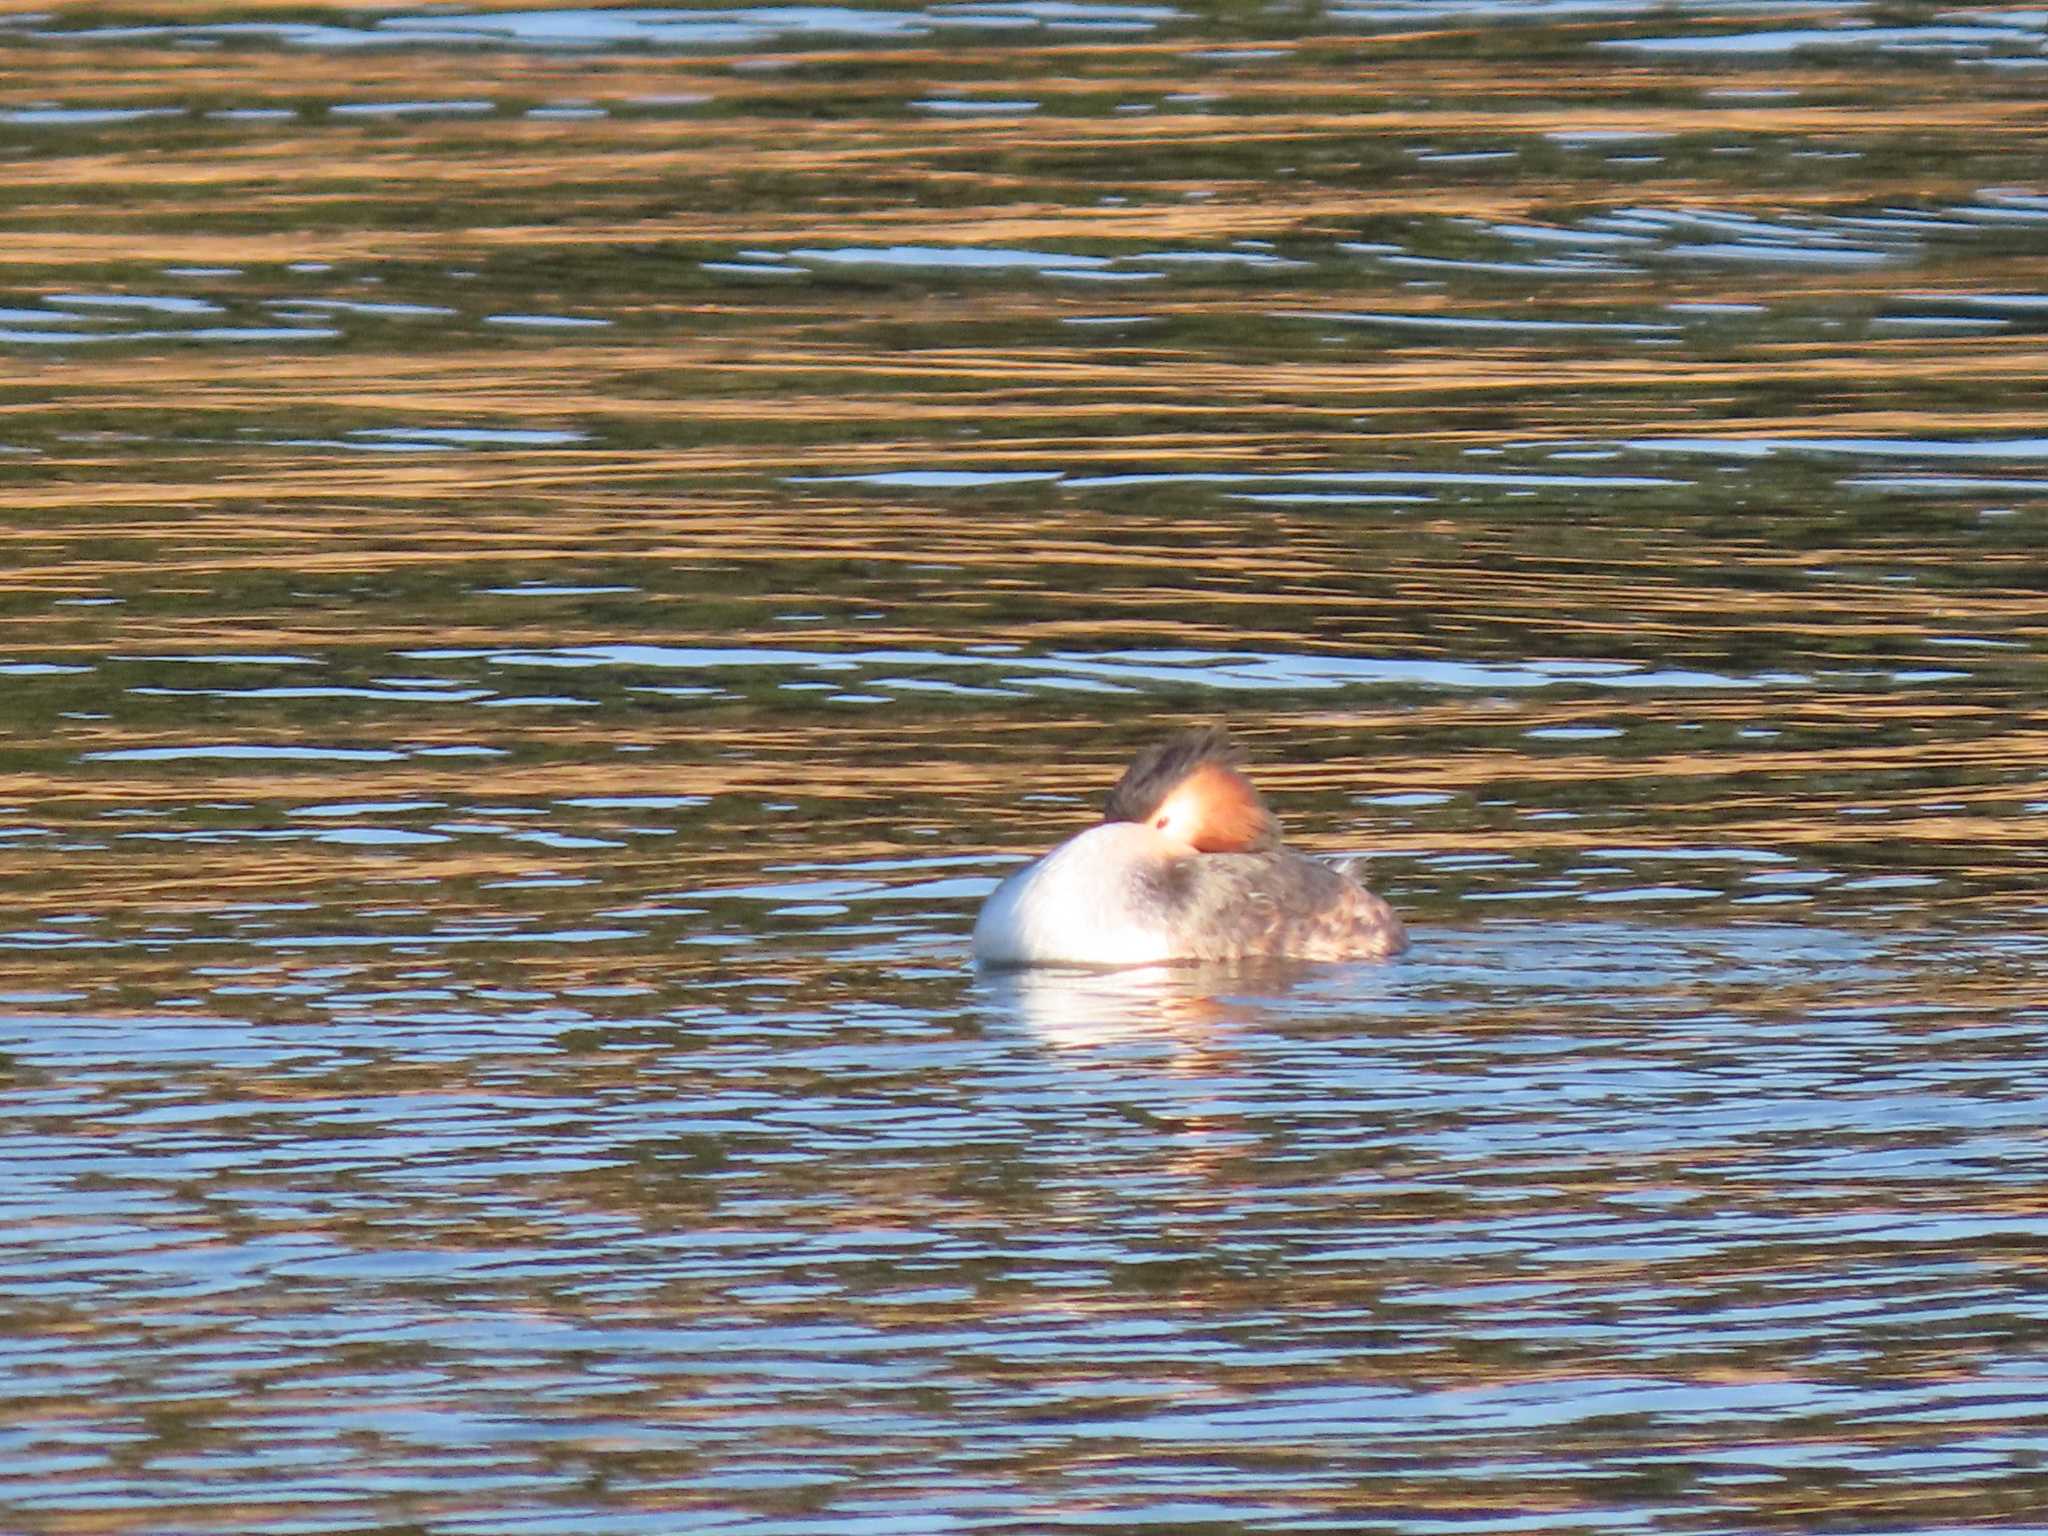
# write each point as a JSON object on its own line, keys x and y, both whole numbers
{"x": 1186, "y": 865}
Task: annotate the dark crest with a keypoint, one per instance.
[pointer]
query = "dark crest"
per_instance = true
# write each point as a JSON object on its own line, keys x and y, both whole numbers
{"x": 1160, "y": 769}
{"x": 1156, "y": 771}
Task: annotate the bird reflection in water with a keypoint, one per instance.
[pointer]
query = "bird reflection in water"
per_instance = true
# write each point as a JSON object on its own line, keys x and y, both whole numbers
{"x": 1199, "y": 1056}
{"x": 1197, "y": 1009}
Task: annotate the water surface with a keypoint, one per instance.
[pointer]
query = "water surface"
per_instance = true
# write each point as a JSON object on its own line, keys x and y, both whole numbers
{"x": 554, "y": 555}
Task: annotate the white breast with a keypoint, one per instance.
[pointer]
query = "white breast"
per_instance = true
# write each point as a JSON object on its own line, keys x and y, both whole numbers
{"x": 1079, "y": 905}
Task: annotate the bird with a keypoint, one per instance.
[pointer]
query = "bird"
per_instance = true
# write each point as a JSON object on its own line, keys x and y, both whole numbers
{"x": 1187, "y": 864}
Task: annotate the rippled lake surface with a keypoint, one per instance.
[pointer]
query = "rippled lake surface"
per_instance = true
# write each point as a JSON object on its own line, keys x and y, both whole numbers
{"x": 553, "y": 556}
